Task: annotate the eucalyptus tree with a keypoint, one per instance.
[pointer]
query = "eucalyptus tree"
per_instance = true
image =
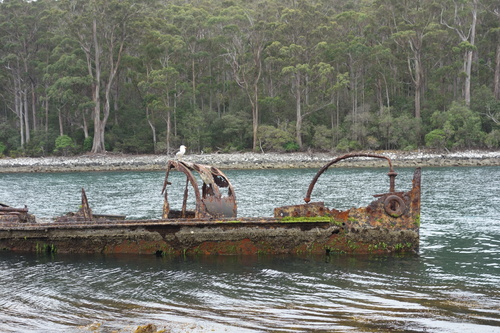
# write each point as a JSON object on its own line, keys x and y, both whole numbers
{"x": 67, "y": 79}
{"x": 312, "y": 88}
{"x": 351, "y": 26}
{"x": 332, "y": 50}
{"x": 48, "y": 53}
{"x": 413, "y": 23}
{"x": 102, "y": 29}
{"x": 189, "y": 37}
{"x": 160, "y": 88}
{"x": 19, "y": 33}
{"x": 246, "y": 39}
{"x": 382, "y": 58}
{"x": 462, "y": 18}
{"x": 160, "y": 83}
{"x": 493, "y": 7}
{"x": 191, "y": 24}
{"x": 489, "y": 105}
{"x": 299, "y": 44}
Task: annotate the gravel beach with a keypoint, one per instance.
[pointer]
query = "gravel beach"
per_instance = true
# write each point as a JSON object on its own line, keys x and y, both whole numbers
{"x": 117, "y": 162}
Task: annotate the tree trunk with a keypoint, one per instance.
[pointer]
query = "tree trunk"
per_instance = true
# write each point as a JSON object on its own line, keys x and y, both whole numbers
{"x": 18, "y": 106}
{"x": 26, "y": 116}
{"x": 116, "y": 93}
{"x": 168, "y": 123}
{"x": 152, "y": 126}
{"x": 33, "y": 107}
{"x": 106, "y": 112}
{"x": 193, "y": 77}
{"x": 255, "y": 116}
{"x": 418, "y": 84}
{"x": 46, "y": 115}
{"x": 98, "y": 142}
{"x": 175, "y": 112}
{"x": 298, "y": 109}
{"x": 85, "y": 126}
{"x": 466, "y": 34}
{"x": 380, "y": 101}
{"x": 337, "y": 123}
{"x": 112, "y": 59}
{"x": 496, "y": 80}
{"x": 470, "y": 54}
{"x": 59, "y": 116}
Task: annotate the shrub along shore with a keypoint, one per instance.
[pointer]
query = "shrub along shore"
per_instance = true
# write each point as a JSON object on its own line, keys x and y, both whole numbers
{"x": 114, "y": 162}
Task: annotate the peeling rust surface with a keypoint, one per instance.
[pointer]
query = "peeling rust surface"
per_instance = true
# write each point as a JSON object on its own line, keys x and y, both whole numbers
{"x": 393, "y": 219}
{"x": 389, "y": 223}
{"x": 210, "y": 202}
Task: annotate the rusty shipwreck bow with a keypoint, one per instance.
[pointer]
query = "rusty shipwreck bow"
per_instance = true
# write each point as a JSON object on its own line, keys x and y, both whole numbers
{"x": 392, "y": 221}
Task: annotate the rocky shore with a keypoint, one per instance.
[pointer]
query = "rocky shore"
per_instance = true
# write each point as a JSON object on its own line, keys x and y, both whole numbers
{"x": 116, "y": 162}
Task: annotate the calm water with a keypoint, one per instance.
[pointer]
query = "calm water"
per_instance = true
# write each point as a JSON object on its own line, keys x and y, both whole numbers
{"x": 452, "y": 285}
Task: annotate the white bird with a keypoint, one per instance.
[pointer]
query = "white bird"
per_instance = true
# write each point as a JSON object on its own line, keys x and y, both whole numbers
{"x": 181, "y": 152}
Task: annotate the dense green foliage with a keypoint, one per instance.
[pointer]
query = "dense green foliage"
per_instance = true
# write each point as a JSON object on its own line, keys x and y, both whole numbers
{"x": 233, "y": 75}
{"x": 64, "y": 145}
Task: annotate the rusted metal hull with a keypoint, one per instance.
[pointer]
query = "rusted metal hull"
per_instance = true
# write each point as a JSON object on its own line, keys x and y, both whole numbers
{"x": 389, "y": 224}
{"x": 204, "y": 237}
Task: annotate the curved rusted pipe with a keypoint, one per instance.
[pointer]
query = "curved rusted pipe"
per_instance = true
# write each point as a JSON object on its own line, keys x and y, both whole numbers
{"x": 179, "y": 166}
{"x": 392, "y": 175}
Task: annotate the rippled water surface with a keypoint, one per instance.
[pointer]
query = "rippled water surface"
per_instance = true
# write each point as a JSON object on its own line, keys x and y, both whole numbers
{"x": 452, "y": 285}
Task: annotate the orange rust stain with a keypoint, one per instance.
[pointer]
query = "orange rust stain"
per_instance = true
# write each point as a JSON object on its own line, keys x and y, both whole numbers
{"x": 339, "y": 215}
{"x": 244, "y": 246}
{"x": 140, "y": 246}
{"x": 248, "y": 247}
{"x": 123, "y": 247}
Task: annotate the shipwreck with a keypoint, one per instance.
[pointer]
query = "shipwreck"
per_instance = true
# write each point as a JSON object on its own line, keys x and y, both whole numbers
{"x": 390, "y": 223}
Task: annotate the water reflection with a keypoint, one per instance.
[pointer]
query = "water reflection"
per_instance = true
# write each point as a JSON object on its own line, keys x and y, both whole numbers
{"x": 255, "y": 293}
{"x": 450, "y": 286}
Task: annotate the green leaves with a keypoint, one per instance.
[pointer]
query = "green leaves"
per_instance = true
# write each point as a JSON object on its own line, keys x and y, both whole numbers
{"x": 318, "y": 71}
{"x": 64, "y": 145}
{"x": 458, "y": 127}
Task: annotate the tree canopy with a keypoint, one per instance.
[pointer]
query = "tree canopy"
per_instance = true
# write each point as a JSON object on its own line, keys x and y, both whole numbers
{"x": 235, "y": 75}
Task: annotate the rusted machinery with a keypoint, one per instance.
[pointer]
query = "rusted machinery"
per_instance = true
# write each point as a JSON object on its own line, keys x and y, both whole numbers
{"x": 210, "y": 198}
{"x": 401, "y": 209}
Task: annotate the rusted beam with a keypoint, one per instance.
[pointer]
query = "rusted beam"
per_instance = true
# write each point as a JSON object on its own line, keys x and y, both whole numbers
{"x": 392, "y": 175}
{"x": 12, "y": 214}
{"x": 85, "y": 210}
{"x": 12, "y": 209}
{"x": 209, "y": 200}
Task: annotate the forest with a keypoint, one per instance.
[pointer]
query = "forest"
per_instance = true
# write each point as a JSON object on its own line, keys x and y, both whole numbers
{"x": 145, "y": 76}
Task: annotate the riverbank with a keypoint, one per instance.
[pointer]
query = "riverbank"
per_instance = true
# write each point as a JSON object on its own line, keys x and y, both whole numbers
{"x": 118, "y": 162}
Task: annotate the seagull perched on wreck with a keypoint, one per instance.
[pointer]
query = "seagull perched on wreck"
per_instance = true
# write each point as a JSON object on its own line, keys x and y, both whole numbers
{"x": 181, "y": 152}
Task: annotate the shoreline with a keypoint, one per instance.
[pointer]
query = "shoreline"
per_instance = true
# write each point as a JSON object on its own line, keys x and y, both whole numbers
{"x": 119, "y": 162}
